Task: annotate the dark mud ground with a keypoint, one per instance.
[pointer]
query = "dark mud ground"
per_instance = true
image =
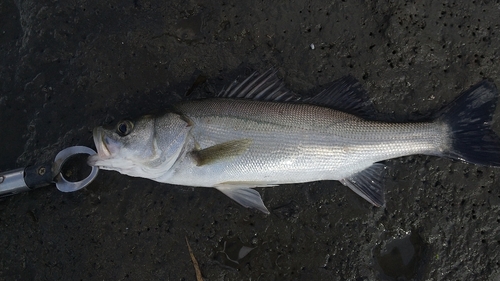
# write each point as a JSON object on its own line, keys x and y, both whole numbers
{"x": 71, "y": 65}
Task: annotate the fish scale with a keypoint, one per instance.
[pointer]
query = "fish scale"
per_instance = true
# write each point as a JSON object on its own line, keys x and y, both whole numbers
{"x": 308, "y": 143}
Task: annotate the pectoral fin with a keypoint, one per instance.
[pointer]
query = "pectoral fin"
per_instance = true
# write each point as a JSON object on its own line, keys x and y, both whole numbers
{"x": 220, "y": 151}
{"x": 244, "y": 195}
{"x": 368, "y": 184}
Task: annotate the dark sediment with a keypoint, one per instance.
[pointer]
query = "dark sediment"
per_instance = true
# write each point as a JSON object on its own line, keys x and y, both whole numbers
{"x": 70, "y": 66}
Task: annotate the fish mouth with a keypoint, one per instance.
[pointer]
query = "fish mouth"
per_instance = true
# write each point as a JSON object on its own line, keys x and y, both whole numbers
{"x": 100, "y": 144}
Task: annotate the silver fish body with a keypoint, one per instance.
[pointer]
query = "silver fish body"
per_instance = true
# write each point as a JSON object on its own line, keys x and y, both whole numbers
{"x": 293, "y": 143}
{"x": 236, "y": 144}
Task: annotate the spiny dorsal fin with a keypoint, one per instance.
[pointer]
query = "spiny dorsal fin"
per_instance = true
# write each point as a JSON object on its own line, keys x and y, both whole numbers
{"x": 264, "y": 87}
{"x": 345, "y": 94}
{"x": 368, "y": 184}
{"x": 220, "y": 151}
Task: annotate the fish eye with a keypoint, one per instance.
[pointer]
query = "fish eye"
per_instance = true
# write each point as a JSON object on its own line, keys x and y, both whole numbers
{"x": 124, "y": 127}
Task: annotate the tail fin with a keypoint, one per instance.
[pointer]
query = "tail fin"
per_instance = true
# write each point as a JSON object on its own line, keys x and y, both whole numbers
{"x": 469, "y": 118}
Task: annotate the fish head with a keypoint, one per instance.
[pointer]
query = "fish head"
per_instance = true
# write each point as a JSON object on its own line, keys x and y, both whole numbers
{"x": 126, "y": 145}
{"x": 142, "y": 148}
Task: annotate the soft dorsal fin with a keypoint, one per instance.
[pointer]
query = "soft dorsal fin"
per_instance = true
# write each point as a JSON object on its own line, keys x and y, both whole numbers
{"x": 368, "y": 184}
{"x": 264, "y": 87}
{"x": 345, "y": 94}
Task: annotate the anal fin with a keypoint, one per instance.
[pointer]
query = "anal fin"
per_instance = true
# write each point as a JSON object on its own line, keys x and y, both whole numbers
{"x": 243, "y": 193}
{"x": 368, "y": 184}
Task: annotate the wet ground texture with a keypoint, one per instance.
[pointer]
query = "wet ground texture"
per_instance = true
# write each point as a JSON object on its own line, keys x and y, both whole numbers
{"x": 68, "y": 66}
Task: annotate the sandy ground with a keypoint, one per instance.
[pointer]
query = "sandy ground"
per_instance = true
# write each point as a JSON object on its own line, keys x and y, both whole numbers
{"x": 69, "y": 66}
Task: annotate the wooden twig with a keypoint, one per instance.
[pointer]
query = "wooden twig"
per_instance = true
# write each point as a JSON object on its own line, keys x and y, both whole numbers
{"x": 195, "y": 262}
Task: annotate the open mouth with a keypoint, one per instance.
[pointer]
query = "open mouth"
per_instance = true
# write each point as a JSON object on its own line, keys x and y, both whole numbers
{"x": 100, "y": 143}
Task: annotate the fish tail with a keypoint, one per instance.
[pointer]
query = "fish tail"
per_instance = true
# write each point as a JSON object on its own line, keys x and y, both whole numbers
{"x": 469, "y": 118}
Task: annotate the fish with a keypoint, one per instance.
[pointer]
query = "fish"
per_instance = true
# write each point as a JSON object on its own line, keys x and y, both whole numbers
{"x": 257, "y": 133}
